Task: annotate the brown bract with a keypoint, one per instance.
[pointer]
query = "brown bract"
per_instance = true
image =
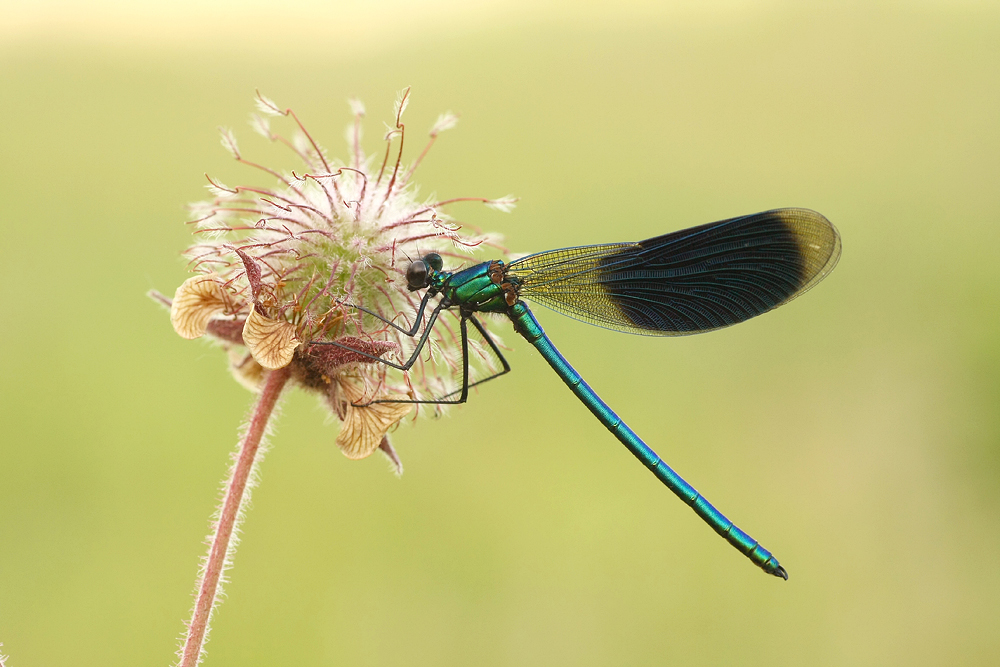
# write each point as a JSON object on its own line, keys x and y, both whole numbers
{"x": 315, "y": 366}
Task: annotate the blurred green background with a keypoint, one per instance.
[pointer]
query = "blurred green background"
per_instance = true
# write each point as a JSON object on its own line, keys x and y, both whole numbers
{"x": 855, "y": 432}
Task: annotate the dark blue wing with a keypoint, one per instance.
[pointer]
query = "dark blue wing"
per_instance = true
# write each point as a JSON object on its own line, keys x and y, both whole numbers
{"x": 689, "y": 281}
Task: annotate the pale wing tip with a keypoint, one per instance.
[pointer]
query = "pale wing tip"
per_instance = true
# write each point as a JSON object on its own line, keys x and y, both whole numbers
{"x": 819, "y": 242}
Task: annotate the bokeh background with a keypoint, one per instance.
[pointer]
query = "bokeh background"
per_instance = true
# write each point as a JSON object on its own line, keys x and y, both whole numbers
{"x": 854, "y": 432}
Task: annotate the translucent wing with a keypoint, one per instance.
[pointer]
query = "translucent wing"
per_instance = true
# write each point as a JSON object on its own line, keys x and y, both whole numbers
{"x": 689, "y": 281}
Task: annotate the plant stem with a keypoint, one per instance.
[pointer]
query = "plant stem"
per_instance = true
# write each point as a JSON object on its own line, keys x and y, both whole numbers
{"x": 237, "y": 494}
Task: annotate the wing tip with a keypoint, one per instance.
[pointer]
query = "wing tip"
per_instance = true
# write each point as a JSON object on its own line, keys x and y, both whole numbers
{"x": 819, "y": 244}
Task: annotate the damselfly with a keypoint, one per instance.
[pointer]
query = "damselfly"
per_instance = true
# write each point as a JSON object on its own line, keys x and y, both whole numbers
{"x": 684, "y": 282}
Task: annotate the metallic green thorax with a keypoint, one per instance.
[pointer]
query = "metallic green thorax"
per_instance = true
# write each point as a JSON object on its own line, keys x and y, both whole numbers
{"x": 475, "y": 289}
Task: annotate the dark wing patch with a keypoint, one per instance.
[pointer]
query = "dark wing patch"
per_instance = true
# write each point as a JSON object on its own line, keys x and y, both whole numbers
{"x": 689, "y": 281}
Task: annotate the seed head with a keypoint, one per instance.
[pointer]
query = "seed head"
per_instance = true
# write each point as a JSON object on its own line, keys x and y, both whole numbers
{"x": 279, "y": 267}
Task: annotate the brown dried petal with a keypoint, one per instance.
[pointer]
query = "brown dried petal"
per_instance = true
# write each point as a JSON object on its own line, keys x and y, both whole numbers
{"x": 271, "y": 342}
{"x": 246, "y": 370}
{"x": 365, "y": 427}
{"x": 196, "y": 301}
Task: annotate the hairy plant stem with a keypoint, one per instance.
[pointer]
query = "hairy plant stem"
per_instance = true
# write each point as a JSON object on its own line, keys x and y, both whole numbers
{"x": 237, "y": 494}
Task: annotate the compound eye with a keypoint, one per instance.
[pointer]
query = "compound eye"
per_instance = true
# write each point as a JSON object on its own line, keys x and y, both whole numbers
{"x": 416, "y": 275}
{"x": 434, "y": 261}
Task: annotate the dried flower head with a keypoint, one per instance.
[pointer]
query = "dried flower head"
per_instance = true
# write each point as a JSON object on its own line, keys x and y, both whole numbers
{"x": 283, "y": 266}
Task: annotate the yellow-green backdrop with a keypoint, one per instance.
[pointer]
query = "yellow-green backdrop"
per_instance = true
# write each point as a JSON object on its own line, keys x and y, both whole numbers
{"x": 854, "y": 432}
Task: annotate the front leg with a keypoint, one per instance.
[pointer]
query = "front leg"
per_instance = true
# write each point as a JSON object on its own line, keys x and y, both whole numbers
{"x": 412, "y": 331}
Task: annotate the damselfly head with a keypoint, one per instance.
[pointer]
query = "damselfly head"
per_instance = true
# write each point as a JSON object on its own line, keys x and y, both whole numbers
{"x": 418, "y": 273}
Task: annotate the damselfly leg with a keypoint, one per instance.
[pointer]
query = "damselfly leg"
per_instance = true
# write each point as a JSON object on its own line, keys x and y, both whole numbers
{"x": 466, "y": 385}
{"x": 463, "y": 325}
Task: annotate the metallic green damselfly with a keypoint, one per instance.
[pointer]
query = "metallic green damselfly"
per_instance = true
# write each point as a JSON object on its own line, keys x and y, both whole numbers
{"x": 685, "y": 282}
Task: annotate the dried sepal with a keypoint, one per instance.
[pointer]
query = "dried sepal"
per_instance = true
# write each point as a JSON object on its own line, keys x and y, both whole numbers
{"x": 196, "y": 301}
{"x": 316, "y": 366}
{"x": 253, "y": 273}
{"x": 350, "y": 350}
{"x": 365, "y": 427}
{"x": 390, "y": 453}
{"x": 271, "y": 342}
{"x": 227, "y": 329}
